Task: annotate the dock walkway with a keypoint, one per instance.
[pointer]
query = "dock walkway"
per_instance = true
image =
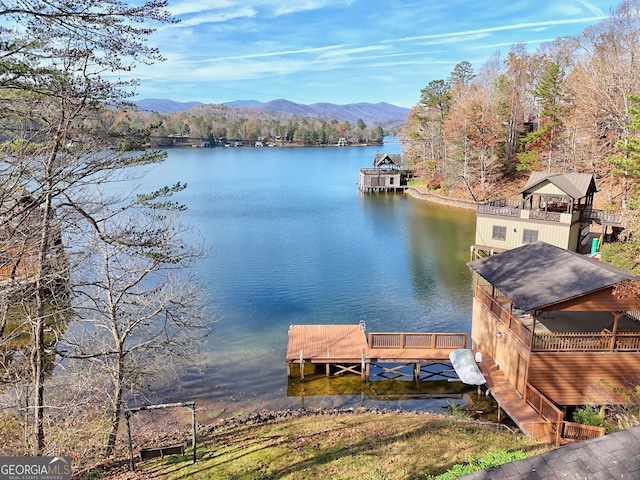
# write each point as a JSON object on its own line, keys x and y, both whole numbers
{"x": 346, "y": 348}
{"x": 508, "y": 399}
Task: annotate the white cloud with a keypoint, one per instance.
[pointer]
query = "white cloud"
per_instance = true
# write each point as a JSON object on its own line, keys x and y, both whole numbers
{"x": 515, "y": 26}
{"x": 593, "y": 8}
{"x": 215, "y": 17}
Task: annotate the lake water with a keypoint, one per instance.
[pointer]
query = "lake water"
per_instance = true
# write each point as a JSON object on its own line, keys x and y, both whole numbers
{"x": 293, "y": 241}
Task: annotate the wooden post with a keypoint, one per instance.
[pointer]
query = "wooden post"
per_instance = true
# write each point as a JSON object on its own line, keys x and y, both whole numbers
{"x": 614, "y": 333}
{"x": 193, "y": 430}
{"x": 302, "y": 364}
{"x": 362, "y": 366}
{"x": 132, "y": 465}
{"x": 558, "y": 439}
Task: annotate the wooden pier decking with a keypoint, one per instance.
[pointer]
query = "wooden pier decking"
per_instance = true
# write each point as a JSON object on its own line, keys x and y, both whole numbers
{"x": 346, "y": 348}
{"x": 508, "y": 399}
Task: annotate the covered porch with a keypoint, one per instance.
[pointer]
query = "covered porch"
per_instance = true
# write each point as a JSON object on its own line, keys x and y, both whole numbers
{"x": 568, "y": 331}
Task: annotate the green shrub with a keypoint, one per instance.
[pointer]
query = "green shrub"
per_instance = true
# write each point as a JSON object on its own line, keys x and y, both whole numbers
{"x": 589, "y": 415}
{"x": 488, "y": 460}
{"x": 459, "y": 411}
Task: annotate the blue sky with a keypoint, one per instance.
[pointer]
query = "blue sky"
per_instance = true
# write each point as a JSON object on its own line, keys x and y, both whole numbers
{"x": 343, "y": 51}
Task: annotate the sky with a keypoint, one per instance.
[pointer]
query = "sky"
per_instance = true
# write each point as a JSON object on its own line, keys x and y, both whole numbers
{"x": 343, "y": 51}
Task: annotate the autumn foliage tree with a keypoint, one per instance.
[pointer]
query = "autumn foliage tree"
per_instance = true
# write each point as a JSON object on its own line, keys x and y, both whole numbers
{"x": 567, "y": 106}
{"x": 562, "y": 107}
{"x": 540, "y": 145}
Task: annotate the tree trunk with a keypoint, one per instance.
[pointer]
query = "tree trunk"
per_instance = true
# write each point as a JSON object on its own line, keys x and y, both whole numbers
{"x": 116, "y": 408}
{"x": 38, "y": 356}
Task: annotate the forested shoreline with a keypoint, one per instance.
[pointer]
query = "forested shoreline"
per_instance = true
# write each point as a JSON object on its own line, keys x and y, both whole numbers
{"x": 220, "y": 124}
{"x": 571, "y": 105}
{"x": 568, "y": 106}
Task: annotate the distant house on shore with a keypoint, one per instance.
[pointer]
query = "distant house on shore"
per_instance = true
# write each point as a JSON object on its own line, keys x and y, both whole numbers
{"x": 556, "y": 208}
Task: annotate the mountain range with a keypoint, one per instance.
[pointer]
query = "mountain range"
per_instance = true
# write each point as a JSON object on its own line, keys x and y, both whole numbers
{"x": 382, "y": 113}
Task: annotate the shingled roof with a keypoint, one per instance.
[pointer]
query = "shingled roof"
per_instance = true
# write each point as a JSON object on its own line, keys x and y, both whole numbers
{"x": 576, "y": 185}
{"x": 539, "y": 274}
{"x": 394, "y": 159}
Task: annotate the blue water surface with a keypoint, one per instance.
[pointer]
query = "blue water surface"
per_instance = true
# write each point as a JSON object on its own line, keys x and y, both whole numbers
{"x": 293, "y": 241}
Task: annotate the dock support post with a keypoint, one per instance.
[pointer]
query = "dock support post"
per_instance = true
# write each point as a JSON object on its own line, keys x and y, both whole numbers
{"x": 302, "y": 364}
{"x": 363, "y": 366}
{"x": 416, "y": 371}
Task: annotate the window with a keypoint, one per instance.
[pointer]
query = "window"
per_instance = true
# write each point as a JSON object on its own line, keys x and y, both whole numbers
{"x": 529, "y": 236}
{"x": 499, "y": 233}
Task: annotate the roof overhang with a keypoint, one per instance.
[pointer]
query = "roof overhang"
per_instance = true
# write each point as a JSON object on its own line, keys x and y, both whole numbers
{"x": 540, "y": 276}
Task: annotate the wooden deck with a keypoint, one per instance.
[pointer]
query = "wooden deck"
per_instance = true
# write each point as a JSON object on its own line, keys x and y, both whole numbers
{"x": 346, "y": 348}
{"x": 326, "y": 343}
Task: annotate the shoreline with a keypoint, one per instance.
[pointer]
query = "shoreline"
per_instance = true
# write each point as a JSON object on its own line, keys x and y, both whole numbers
{"x": 447, "y": 201}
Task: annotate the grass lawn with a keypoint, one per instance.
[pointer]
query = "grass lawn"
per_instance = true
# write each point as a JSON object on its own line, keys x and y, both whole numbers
{"x": 364, "y": 446}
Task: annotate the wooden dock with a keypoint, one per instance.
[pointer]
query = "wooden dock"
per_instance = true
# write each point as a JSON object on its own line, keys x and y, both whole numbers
{"x": 347, "y": 348}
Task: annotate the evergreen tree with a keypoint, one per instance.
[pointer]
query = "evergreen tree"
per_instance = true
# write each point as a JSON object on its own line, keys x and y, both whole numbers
{"x": 542, "y": 141}
{"x": 627, "y": 162}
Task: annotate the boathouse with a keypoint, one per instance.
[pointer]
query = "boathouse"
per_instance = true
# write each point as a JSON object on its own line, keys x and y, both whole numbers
{"x": 553, "y": 325}
{"x": 386, "y": 175}
{"x": 556, "y": 208}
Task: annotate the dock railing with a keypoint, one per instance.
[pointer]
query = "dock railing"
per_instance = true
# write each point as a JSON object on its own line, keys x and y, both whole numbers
{"x": 430, "y": 340}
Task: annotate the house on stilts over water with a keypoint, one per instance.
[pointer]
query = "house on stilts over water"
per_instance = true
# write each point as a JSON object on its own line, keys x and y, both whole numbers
{"x": 387, "y": 175}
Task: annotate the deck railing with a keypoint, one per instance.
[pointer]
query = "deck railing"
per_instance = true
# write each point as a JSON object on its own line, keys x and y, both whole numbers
{"x": 559, "y": 430}
{"x": 505, "y": 206}
{"x": 417, "y": 340}
{"x": 503, "y": 315}
{"x": 547, "y": 411}
{"x": 585, "y": 342}
{"x": 576, "y": 432}
{"x": 511, "y": 207}
{"x": 603, "y": 216}
{"x": 558, "y": 341}
{"x": 544, "y": 216}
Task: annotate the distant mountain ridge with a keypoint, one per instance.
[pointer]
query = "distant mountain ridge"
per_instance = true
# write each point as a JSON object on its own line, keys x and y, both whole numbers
{"x": 371, "y": 113}
{"x": 165, "y": 106}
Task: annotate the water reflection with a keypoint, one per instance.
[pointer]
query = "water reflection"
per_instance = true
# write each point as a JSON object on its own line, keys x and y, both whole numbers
{"x": 294, "y": 242}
